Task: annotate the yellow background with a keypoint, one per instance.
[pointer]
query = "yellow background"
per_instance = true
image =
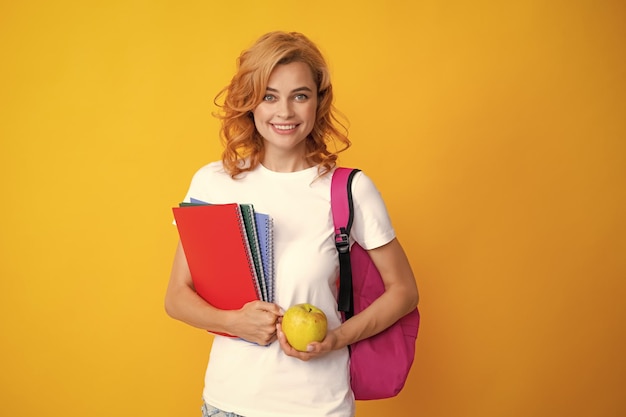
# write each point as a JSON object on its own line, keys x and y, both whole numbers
{"x": 495, "y": 131}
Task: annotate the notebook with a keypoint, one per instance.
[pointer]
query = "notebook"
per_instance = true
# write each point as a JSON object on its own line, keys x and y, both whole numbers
{"x": 249, "y": 220}
{"x": 259, "y": 230}
{"x": 265, "y": 230}
{"x": 218, "y": 254}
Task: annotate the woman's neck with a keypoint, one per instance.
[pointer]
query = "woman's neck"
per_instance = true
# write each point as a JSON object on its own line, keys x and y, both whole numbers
{"x": 285, "y": 163}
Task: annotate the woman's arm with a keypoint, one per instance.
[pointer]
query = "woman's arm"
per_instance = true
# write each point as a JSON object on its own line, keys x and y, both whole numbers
{"x": 254, "y": 322}
{"x": 400, "y": 298}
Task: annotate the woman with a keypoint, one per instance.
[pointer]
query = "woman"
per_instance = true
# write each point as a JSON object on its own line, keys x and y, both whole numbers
{"x": 277, "y": 119}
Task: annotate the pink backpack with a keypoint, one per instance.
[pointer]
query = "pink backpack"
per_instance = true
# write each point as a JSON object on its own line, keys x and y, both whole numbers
{"x": 379, "y": 365}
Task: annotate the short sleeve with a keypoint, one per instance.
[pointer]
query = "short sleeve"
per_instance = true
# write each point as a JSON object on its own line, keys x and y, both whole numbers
{"x": 371, "y": 226}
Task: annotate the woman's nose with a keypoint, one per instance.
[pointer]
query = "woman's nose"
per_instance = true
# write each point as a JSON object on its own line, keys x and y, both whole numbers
{"x": 285, "y": 109}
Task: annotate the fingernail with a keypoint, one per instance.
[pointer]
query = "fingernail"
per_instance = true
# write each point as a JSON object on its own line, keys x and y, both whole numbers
{"x": 309, "y": 348}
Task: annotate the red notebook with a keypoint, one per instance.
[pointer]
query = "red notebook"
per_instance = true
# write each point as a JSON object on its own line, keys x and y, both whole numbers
{"x": 217, "y": 251}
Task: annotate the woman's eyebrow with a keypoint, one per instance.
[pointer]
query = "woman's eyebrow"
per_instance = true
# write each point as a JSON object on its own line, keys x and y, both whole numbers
{"x": 297, "y": 90}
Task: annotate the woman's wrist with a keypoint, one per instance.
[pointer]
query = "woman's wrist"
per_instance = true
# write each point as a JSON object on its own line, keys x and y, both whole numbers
{"x": 227, "y": 320}
{"x": 340, "y": 339}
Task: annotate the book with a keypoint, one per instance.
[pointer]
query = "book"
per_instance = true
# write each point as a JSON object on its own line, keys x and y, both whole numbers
{"x": 259, "y": 229}
{"x": 265, "y": 227}
{"x": 218, "y": 253}
{"x": 249, "y": 221}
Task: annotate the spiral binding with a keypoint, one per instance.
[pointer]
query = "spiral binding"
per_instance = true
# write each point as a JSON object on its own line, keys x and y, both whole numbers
{"x": 244, "y": 240}
{"x": 269, "y": 229}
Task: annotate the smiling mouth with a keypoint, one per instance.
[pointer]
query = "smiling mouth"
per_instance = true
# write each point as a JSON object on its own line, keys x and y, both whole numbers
{"x": 285, "y": 127}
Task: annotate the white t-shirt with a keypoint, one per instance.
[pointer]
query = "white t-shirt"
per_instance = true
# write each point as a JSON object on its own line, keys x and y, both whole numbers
{"x": 261, "y": 381}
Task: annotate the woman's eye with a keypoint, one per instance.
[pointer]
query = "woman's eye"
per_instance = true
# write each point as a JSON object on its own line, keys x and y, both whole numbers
{"x": 268, "y": 97}
{"x": 301, "y": 97}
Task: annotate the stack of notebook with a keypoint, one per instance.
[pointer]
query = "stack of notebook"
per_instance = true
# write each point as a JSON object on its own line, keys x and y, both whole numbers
{"x": 229, "y": 252}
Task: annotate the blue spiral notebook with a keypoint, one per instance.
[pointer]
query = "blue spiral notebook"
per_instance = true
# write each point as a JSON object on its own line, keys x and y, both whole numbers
{"x": 264, "y": 226}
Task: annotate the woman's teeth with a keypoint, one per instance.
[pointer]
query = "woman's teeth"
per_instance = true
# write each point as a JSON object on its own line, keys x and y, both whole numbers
{"x": 285, "y": 127}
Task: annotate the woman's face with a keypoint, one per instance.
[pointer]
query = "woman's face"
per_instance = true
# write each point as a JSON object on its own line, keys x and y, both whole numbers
{"x": 286, "y": 115}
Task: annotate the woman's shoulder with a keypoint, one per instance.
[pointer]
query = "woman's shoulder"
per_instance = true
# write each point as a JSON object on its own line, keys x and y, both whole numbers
{"x": 217, "y": 168}
{"x": 212, "y": 168}
{"x": 209, "y": 173}
{"x": 362, "y": 184}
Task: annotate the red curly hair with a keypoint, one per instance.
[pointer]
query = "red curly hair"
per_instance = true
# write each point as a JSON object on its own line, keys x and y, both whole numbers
{"x": 246, "y": 91}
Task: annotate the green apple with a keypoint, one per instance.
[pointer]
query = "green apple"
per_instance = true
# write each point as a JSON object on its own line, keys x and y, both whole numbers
{"x": 303, "y": 324}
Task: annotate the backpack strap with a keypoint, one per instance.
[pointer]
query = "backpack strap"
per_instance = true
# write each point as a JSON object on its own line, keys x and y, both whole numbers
{"x": 342, "y": 208}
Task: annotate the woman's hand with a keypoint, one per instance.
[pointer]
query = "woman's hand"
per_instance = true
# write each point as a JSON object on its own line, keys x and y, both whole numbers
{"x": 314, "y": 349}
{"x": 400, "y": 297}
{"x": 256, "y": 322}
